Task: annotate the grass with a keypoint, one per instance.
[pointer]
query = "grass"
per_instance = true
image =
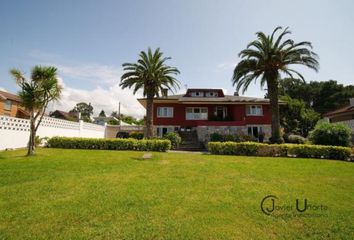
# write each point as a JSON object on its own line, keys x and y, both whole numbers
{"x": 81, "y": 194}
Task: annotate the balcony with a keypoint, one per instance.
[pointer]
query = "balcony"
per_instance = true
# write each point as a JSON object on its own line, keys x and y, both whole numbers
{"x": 216, "y": 118}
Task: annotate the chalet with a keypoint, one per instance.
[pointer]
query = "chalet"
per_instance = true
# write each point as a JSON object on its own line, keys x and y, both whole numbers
{"x": 205, "y": 111}
{"x": 70, "y": 116}
{"x": 343, "y": 115}
{"x": 10, "y": 105}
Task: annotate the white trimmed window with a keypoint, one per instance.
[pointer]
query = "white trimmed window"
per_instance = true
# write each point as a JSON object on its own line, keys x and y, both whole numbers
{"x": 196, "y": 113}
{"x": 8, "y": 105}
{"x": 254, "y": 131}
{"x": 161, "y": 131}
{"x": 197, "y": 94}
{"x": 211, "y": 94}
{"x": 254, "y": 110}
{"x": 165, "y": 112}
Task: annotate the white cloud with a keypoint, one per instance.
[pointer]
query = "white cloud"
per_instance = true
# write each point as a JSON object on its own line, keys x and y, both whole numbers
{"x": 104, "y": 80}
{"x": 3, "y": 89}
{"x": 92, "y": 72}
{"x": 106, "y": 99}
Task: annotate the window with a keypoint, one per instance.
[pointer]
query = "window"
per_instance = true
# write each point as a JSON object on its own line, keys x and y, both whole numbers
{"x": 161, "y": 131}
{"x": 196, "y": 113}
{"x": 254, "y": 131}
{"x": 165, "y": 112}
{"x": 254, "y": 110}
{"x": 211, "y": 94}
{"x": 8, "y": 105}
{"x": 197, "y": 94}
{"x": 220, "y": 112}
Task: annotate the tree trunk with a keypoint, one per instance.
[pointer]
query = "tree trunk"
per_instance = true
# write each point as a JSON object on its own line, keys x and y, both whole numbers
{"x": 31, "y": 142}
{"x": 149, "y": 117}
{"x": 274, "y": 109}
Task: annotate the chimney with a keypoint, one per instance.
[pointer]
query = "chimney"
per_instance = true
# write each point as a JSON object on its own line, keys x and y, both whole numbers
{"x": 236, "y": 94}
{"x": 164, "y": 92}
{"x": 351, "y": 102}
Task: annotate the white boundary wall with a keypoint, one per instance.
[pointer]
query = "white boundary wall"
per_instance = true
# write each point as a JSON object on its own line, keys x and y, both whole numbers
{"x": 349, "y": 123}
{"x": 14, "y": 132}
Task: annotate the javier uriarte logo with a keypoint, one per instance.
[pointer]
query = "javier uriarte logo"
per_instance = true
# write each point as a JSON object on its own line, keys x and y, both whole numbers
{"x": 273, "y": 206}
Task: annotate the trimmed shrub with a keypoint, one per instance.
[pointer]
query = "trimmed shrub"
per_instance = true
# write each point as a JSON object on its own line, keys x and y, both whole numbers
{"x": 216, "y": 137}
{"x": 335, "y": 134}
{"x": 283, "y": 150}
{"x": 161, "y": 145}
{"x": 247, "y": 138}
{"x": 293, "y": 138}
{"x": 136, "y": 135}
{"x": 174, "y": 138}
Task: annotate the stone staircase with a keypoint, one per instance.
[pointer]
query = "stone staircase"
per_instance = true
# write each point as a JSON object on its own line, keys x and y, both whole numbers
{"x": 190, "y": 141}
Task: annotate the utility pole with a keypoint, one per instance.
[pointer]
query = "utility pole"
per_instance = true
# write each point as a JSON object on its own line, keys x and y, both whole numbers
{"x": 119, "y": 109}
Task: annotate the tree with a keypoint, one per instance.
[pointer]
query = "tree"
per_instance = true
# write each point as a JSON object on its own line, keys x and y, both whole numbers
{"x": 267, "y": 58}
{"x": 36, "y": 93}
{"x": 115, "y": 114}
{"x": 323, "y": 97}
{"x": 151, "y": 75}
{"x": 85, "y": 110}
{"x": 102, "y": 113}
{"x": 296, "y": 117}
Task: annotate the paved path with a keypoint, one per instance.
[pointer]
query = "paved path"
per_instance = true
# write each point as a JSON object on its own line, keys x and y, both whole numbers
{"x": 193, "y": 152}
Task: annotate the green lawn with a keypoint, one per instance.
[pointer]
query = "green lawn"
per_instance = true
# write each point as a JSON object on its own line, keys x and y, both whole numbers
{"x": 88, "y": 194}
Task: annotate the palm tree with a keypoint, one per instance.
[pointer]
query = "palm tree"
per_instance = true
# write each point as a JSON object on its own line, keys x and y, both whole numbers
{"x": 267, "y": 58}
{"x": 36, "y": 93}
{"x": 151, "y": 75}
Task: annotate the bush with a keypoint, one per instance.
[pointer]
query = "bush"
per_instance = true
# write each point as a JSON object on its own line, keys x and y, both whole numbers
{"x": 334, "y": 134}
{"x": 122, "y": 135}
{"x": 292, "y": 138}
{"x": 136, "y": 135}
{"x": 247, "y": 138}
{"x": 37, "y": 141}
{"x": 276, "y": 150}
{"x": 229, "y": 138}
{"x": 216, "y": 137}
{"x": 110, "y": 144}
{"x": 174, "y": 138}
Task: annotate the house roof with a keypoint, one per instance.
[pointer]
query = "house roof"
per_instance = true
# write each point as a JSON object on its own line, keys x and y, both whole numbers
{"x": 105, "y": 118}
{"x": 218, "y": 90}
{"x": 9, "y": 96}
{"x": 220, "y": 99}
{"x": 227, "y": 99}
{"x": 340, "y": 111}
{"x": 66, "y": 115}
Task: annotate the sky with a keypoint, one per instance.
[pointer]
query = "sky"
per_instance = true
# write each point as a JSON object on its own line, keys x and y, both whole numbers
{"x": 89, "y": 40}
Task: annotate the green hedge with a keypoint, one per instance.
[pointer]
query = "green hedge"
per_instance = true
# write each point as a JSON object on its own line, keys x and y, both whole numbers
{"x": 110, "y": 144}
{"x": 279, "y": 150}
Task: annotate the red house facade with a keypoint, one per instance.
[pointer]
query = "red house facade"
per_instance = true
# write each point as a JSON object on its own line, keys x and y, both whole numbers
{"x": 208, "y": 110}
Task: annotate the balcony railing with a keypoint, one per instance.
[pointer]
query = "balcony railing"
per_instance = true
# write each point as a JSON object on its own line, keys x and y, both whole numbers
{"x": 219, "y": 118}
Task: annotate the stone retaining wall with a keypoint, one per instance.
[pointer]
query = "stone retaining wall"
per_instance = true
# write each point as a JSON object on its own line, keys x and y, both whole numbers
{"x": 204, "y": 132}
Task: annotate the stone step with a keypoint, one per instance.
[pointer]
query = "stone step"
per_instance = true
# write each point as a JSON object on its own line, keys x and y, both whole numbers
{"x": 190, "y": 143}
